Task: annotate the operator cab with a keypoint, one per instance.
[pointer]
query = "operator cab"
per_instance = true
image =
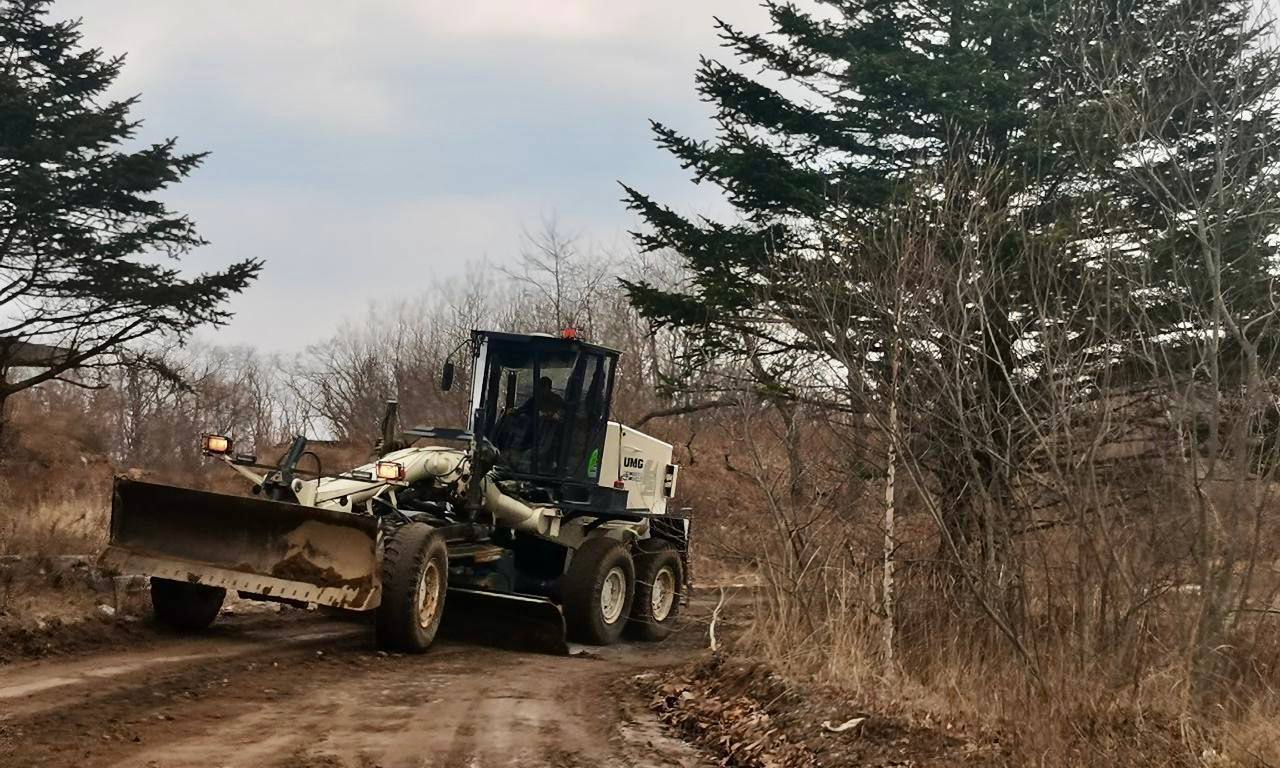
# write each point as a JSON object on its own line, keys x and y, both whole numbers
{"x": 544, "y": 404}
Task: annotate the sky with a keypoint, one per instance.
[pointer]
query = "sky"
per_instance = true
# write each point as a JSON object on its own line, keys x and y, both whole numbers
{"x": 365, "y": 150}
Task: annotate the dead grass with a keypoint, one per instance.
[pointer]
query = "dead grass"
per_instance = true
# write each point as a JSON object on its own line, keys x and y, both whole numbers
{"x": 961, "y": 673}
{"x": 55, "y": 479}
{"x": 73, "y": 526}
{"x": 1107, "y": 635}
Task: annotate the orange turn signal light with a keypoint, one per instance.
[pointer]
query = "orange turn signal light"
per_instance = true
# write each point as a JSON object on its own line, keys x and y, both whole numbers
{"x": 390, "y": 470}
{"x": 216, "y": 444}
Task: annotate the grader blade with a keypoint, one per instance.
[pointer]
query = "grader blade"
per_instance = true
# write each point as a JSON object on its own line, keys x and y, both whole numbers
{"x": 513, "y": 622}
{"x": 269, "y": 548}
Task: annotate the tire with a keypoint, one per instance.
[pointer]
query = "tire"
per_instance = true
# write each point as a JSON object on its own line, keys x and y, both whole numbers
{"x": 591, "y": 617}
{"x": 185, "y": 606}
{"x": 659, "y": 590}
{"x": 415, "y": 575}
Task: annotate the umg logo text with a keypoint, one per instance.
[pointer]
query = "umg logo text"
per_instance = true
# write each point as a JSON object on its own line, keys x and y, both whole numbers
{"x": 633, "y": 462}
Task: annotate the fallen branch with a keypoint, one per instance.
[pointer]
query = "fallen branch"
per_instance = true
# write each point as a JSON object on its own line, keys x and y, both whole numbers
{"x": 715, "y": 616}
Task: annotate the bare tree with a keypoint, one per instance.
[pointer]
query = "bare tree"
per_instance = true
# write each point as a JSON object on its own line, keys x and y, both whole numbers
{"x": 1207, "y": 158}
{"x": 563, "y": 281}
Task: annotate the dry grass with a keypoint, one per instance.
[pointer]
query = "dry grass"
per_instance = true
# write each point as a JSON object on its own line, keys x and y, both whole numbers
{"x": 1256, "y": 735}
{"x": 69, "y": 526}
{"x": 952, "y": 670}
{"x": 1106, "y": 681}
{"x": 56, "y": 475}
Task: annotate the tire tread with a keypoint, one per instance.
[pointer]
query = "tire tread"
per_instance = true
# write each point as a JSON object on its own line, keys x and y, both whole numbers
{"x": 642, "y": 625}
{"x": 580, "y": 589}
{"x": 405, "y": 553}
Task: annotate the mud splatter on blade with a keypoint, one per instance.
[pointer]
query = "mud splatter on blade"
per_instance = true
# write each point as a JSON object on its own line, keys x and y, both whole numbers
{"x": 253, "y": 545}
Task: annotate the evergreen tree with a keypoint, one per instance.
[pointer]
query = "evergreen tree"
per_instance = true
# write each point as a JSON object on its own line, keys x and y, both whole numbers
{"x": 1107, "y": 122}
{"x": 87, "y": 252}
{"x": 861, "y": 99}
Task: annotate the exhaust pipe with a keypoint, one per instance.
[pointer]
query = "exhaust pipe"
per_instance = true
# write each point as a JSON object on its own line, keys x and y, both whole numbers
{"x": 515, "y": 513}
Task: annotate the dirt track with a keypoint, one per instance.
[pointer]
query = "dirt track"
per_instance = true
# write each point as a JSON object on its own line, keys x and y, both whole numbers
{"x": 276, "y": 690}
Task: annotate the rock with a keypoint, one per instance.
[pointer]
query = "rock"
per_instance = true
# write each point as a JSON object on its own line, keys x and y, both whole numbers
{"x": 106, "y": 610}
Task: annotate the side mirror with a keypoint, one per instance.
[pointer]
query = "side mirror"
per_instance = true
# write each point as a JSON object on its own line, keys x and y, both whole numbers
{"x": 446, "y": 377}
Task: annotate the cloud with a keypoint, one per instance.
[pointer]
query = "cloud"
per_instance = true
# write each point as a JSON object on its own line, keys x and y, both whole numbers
{"x": 327, "y": 258}
{"x": 364, "y": 68}
{"x": 500, "y": 20}
{"x": 281, "y": 62}
{"x": 353, "y": 141}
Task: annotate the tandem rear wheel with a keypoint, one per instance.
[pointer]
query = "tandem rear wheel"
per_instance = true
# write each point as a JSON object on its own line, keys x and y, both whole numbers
{"x": 415, "y": 573}
{"x": 597, "y": 591}
{"x": 659, "y": 592}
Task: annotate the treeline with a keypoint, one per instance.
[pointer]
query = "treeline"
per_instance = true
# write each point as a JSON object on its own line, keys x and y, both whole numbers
{"x": 149, "y": 406}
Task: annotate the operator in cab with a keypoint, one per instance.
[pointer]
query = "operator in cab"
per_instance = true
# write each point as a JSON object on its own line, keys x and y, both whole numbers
{"x": 532, "y": 434}
{"x": 544, "y": 401}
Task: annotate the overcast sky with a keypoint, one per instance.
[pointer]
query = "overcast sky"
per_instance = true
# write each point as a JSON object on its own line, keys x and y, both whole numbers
{"x": 363, "y": 149}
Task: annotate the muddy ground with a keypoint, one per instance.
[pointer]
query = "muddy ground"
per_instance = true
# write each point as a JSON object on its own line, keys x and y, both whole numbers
{"x": 299, "y": 689}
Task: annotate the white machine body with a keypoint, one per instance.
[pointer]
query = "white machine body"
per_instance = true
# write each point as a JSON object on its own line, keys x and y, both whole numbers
{"x": 641, "y": 465}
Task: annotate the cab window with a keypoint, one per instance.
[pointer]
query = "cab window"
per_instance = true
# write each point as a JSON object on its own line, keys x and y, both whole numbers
{"x": 545, "y": 408}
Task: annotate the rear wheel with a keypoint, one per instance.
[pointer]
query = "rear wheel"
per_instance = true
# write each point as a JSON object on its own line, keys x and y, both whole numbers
{"x": 185, "y": 606}
{"x": 415, "y": 574}
{"x": 659, "y": 590}
{"x": 597, "y": 591}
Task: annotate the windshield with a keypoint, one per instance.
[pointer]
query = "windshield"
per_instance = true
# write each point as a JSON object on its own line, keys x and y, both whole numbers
{"x": 545, "y": 407}
{"x": 529, "y": 399}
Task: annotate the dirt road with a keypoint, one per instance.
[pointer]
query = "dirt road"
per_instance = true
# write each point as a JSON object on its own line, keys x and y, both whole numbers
{"x": 296, "y": 691}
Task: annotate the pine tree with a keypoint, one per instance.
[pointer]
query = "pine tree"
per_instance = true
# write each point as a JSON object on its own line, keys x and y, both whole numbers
{"x": 88, "y": 254}
{"x": 1107, "y": 121}
{"x": 859, "y": 100}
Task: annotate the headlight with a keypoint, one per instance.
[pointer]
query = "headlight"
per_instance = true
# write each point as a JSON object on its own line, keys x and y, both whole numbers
{"x": 390, "y": 470}
{"x": 215, "y": 444}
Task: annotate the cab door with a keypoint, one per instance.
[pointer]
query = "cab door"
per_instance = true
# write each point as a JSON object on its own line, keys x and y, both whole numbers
{"x": 587, "y": 417}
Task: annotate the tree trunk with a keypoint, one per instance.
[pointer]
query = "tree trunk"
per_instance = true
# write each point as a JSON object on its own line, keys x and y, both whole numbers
{"x": 890, "y": 487}
{"x": 890, "y": 545}
{"x": 4, "y": 422}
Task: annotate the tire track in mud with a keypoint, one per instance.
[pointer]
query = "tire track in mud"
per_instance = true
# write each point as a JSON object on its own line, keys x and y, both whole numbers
{"x": 27, "y": 688}
{"x": 85, "y": 714}
{"x": 462, "y": 741}
{"x": 340, "y": 704}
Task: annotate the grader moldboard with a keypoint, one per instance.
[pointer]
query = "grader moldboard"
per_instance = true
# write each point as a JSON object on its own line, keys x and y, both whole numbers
{"x": 551, "y": 516}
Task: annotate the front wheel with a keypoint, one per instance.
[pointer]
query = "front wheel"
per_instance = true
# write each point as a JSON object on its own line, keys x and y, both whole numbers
{"x": 659, "y": 592}
{"x": 415, "y": 573}
{"x": 185, "y": 606}
{"x": 598, "y": 590}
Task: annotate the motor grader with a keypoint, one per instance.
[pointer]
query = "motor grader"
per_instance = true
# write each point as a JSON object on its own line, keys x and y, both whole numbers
{"x": 542, "y": 504}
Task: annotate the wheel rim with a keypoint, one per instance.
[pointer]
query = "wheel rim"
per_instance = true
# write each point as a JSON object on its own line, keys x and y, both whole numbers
{"x": 663, "y": 595}
{"x": 613, "y": 595}
{"x": 428, "y": 595}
